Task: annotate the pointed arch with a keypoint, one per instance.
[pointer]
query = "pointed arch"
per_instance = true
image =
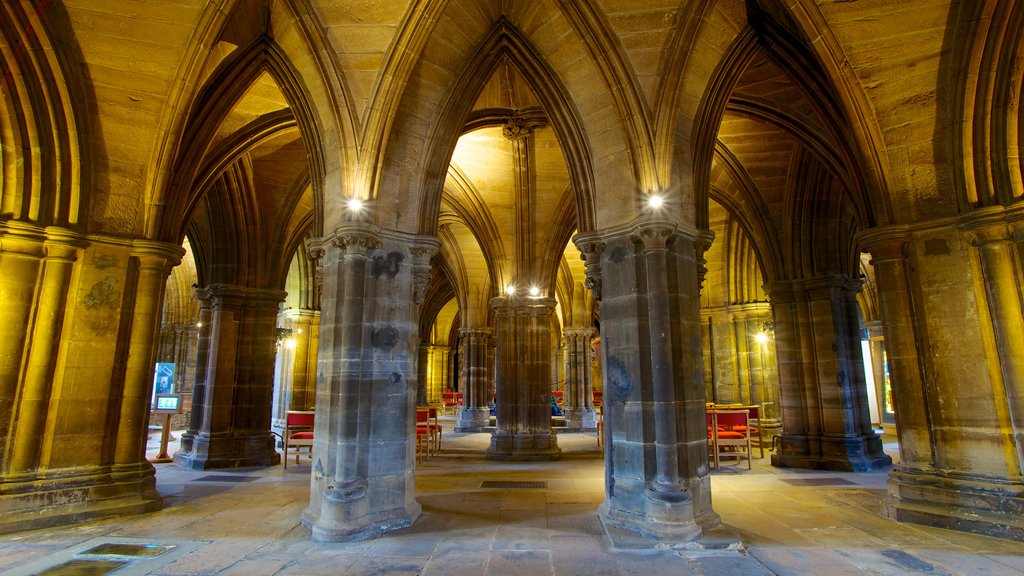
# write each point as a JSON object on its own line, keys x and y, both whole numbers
{"x": 42, "y": 158}
{"x": 224, "y": 89}
{"x": 505, "y": 42}
{"x": 857, "y": 168}
{"x": 984, "y": 64}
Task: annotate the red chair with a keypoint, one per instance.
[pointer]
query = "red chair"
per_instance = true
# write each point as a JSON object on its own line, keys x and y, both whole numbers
{"x": 434, "y": 426}
{"x": 598, "y": 398}
{"x": 448, "y": 403}
{"x": 729, "y": 435}
{"x": 424, "y": 436}
{"x": 298, "y": 432}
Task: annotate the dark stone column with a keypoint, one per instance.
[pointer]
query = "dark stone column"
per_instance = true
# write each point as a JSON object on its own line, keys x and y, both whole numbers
{"x": 476, "y": 411}
{"x": 231, "y": 409}
{"x": 579, "y": 405}
{"x": 825, "y": 417}
{"x": 364, "y": 450}
{"x": 523, "y": 367}
{"x": 647, "y": 277}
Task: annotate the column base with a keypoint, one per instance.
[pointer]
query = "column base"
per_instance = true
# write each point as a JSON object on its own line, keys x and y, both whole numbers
{"x": 69, "y": 499}
{"x": 842, "y": 454}
{"x": 661, "y": 521}
{"x": 473, "y": 420}
{"x": 584, "y": 419}
{"x": 211, "y": 452}
{"x": 968, "y": 504}
{"x": 523, "y": 447}
{"x": 343, "y": 513}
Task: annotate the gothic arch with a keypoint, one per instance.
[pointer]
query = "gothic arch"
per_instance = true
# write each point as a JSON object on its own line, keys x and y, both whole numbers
{"x": 762, "y": 37}
{"x": 988, "y": 82}
{"x": 44, "y": 164}
{"x": 504, "y": 42}
{"x": 221, "y": 93}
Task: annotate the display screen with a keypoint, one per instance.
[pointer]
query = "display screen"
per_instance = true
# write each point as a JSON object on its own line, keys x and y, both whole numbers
{"x": 167, "y": 401}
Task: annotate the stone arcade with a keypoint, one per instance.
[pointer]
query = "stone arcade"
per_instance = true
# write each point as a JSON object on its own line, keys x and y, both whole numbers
{"x": 393, "y": 199}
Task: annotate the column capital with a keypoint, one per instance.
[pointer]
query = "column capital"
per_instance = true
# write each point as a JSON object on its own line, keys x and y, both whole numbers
{"x": 653, "y": 236}
{"x": 814, "y": 288}
{"x": 234, "y": 296}
{"x": 590, "y": 252}
{"x": 579, "y": 331}
{"x": 423, "y": 250}
{"x": 522, "y": 304}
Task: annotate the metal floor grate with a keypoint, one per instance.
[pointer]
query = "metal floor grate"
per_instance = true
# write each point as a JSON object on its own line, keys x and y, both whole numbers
{"x": 818, "y": 482}
{"x": 225, "y": 478}
{"x": 512, "y": 484}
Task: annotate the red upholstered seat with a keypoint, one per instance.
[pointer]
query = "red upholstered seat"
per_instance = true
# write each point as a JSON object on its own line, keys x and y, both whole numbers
{"x": 298, "y": 432}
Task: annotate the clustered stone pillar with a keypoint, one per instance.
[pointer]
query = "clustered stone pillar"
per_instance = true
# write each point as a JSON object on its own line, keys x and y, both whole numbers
{"x": 646, "y": 276}
{"x": 579, "y": 385}
{"x": 523, "y": 380}
{"x": 364, "y": 449}
{"x": 233, "y": 396}
{"x": 957, "y": 369}
{"x": 476, "y": 411}
{"x": 79, "y": 326}
{"x": 825, "y": 416}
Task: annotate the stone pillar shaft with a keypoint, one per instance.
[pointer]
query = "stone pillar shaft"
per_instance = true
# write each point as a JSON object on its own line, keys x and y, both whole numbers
{"x": 826, "y": 422}
{"x": 231, "y": 409}
{"x": 956, "y": 367}
{"x": 33, "y": 406}
{"x": 364, "y": 447}
{"x": 646, "y": 275}
{"x": 475, "y": 414}
{"x": 523, "y": 372}
{"x": 153, "y": 264}
{"x": 1003, "y": 288}
{"x": 74, "y": 393}
{"x": 579, "y": 406}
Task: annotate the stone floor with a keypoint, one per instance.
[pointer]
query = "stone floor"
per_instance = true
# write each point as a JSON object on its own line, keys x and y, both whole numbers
{"x": 245, "y": 522}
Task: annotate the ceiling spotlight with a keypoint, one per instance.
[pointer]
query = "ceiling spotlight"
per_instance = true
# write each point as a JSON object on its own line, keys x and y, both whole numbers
{"x": 655, "y": 201}
{"x": 354, "y": 205}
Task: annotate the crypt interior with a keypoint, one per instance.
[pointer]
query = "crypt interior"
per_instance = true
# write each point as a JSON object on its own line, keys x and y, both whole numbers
{"x": 643, "y": 207}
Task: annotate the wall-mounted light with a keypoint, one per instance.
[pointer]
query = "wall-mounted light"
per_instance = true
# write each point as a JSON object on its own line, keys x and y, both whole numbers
{"x": 534, "y": 291}
{"x": 510, "y": 290}
{"x": 355, "y": 205}
{"x": 761, "y": 337}
{"x": 655, "y": 201}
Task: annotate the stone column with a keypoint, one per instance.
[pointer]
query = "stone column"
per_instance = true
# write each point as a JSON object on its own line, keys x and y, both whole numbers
{"x": 51, "y": 259}
{"x": 523, "y": 380}
{"x": 950, "y": 305}
{"x": 422, "y": 373}
{"x": 1003, "y": 281}
{"x": 75, "y": 400}
{"x": 231, "y": 413}
{"x": 153, "y": 262}
{"x": 825, "y": 417}
{"x": 476, "y": 412}
{"x": 186, "y": 442}
{"x": 646, "y": 275}
{"x": 364, "y": 450}
{"x": 579, "y": 405}
{"x": 296, "y": 362}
